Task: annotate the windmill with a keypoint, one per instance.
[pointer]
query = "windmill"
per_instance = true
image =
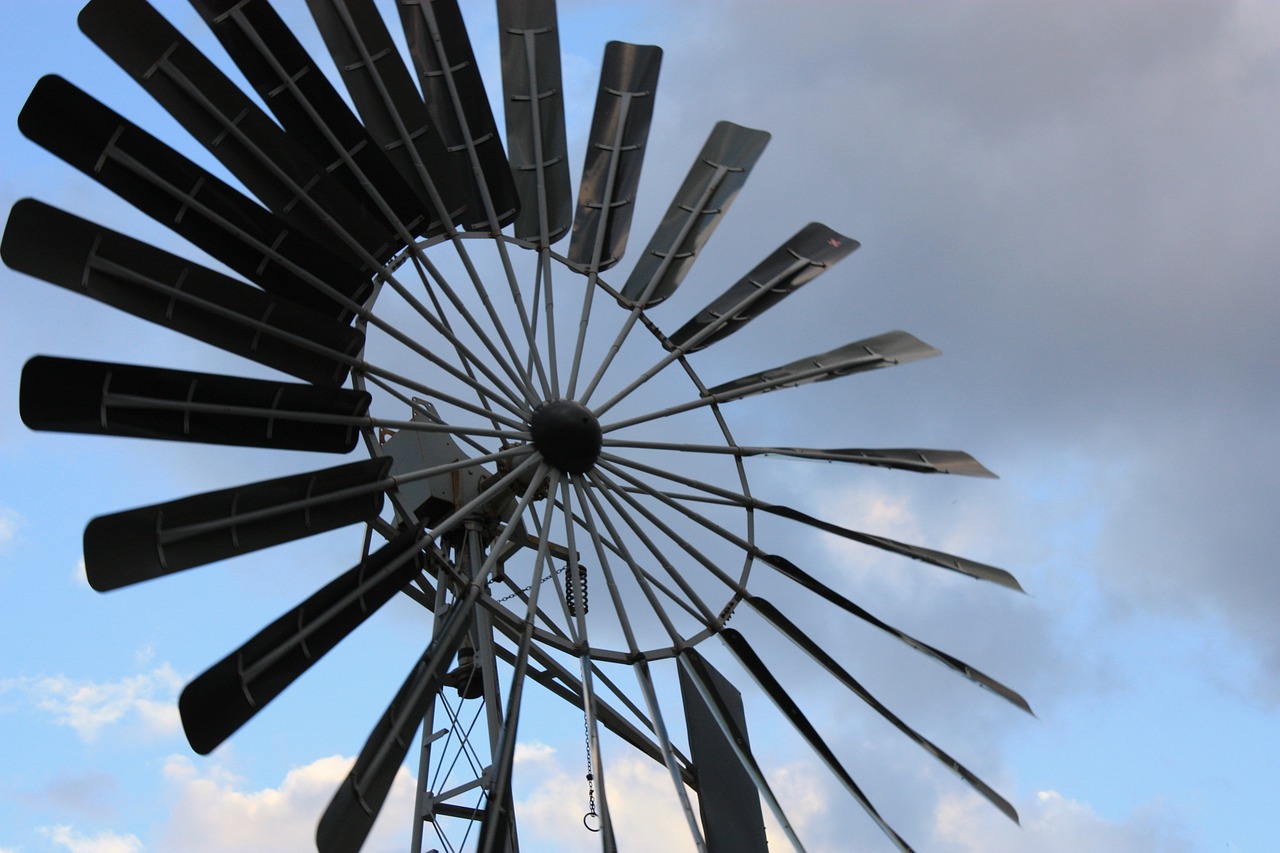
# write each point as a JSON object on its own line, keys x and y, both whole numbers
{"x": 442, "y": 303}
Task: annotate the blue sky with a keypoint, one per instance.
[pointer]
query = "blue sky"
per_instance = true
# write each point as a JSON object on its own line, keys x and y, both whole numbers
{"x": 1076, "y": 202}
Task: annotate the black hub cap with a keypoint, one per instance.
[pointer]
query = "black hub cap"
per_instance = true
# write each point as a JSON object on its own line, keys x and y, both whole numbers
{"x": 567, "y": 435}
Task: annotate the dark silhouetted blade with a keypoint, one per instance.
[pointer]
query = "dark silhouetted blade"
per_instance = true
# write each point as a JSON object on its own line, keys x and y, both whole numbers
{"x": 228, "y": 694}
{"x": 793, "y": 632}
{"x": 795, "y": 573}
{"x": 732, "y": 726}
{"x": 170, "y": 291}
{"x": 905, "y": 459}
{"x": 727, "y": 798}
{"x": 355, "y": 805}
{"x": 703, "y": 199}
{"x": 972, "y": 568}
{"x": 313, "y": 113}
{"x": 197, "y": 205}
{"x": 99, "y": 398}
{"x": 149, "y": 542}
{"x": 615, "y": 153}
{"x": 234, "y": 129}
{"x": 858, "y": 357}
{"x": 529, "y": 38}
{"x": 814, "y": 249}
{"x": 388, "y": 102}
{"x": 749, "y": 659}
{"x": 459, "y": 107}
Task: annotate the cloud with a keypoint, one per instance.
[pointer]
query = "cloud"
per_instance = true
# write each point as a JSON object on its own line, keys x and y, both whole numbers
{"x": 148, "y": 700}
{"x": 10, "y": 524}
{"x": 216, "y": 812}
{"x": 103, "y": 842}
{"x": 90, "y": 795}
{"x": 1051, "y": 823}
{"x": 640, "y": 797}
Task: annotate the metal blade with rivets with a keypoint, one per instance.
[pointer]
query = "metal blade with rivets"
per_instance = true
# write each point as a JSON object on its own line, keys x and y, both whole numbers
{"x": 152, "y": 541}
{"x": 274, "y": 167}
{"x": 615, "y": 154}
{"x": 101, "y": 398}
{"x": 162, "y": 288}
{"x": 193, "y": 202}
{"x": 313, "y": 113}
{"x": 459, "y": 107}
{"x": 807, "y": 254}
{"x": 717, "y": 175}
{"x": 232, "y": 691}
{"x": 383, "y": 93}
{"x": 533, "y": 93}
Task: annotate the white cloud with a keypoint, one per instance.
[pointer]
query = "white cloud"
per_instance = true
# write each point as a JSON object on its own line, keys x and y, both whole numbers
{"x": 642, "y": 804}
{"x": 148, "y": 699}
{"x": 216, "y": 813}
{"x": 1051, "y": 823}
{"x": 103, "y": 842}
{"x": 10, "y": 522}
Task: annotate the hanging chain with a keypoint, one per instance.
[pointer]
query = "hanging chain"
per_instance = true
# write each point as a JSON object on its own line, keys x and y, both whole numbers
{"x": 591, "y": 780}
{"x": 528, "y": 588}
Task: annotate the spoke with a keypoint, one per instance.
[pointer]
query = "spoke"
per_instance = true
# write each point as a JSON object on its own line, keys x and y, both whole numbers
{"x": 779, "y": 696}
{"x": 136, "y": 401}
{"x": 494, "y": 832}
{"x": 688, "y": 346}
{"x": 792, "y": 632}
{"x": 639, "y": 574}
{"x": 170, "y": 535}
{"x": 608, "y": 488}
{"x": 424, "y": 267}
{"x": 795, "y": 573}
{"x": 463, "y": 434}
{"x": 641, "y": 668}
{"x": 548, "y": 306}
{"x": 951, "y": 562}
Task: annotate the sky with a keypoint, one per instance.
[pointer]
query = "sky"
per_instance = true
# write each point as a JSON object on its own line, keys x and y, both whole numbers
{"x": 1077, "y": 203}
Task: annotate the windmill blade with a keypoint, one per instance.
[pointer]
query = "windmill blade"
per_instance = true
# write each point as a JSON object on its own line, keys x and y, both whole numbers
{"x": 529, "y": 39}
{"x": 354, "y": 807}
{"x": 313, "y": 113}
{"x": 197, "y": 205}
{"x": 962, "y": 565}
{"x": 727, "y": 797}
{"x": 385, "y": 97}
{"x": 806, "y": 255}
{"x": 150, "y": 542}
{"x": 232, "y": 127}
{"x": 100, "y": 398}
{"x": 907, "y": 459}
{"x": 615, "y": 153}
{"x": 713, "y": 182}
{"x": 699, "y": 674}
{"x": 167, "y": 290}
{"x": 748, "y": 658}
{"x": 459, "y": 107}
{"x": 858, "y": 357}
{"x": 795, "y": 573}
{"x": 797, "y": 636}
{"x": 232, "y": 691}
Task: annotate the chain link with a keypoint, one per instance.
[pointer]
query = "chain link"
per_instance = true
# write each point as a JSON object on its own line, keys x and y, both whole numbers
{"x": 591, "y": 779}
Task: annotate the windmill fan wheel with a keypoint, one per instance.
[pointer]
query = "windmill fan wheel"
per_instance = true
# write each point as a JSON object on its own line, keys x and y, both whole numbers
{"x": 541, "y": 465}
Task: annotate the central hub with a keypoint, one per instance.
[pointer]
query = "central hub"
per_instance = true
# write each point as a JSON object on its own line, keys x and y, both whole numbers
{"x": 567, "y": 435}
